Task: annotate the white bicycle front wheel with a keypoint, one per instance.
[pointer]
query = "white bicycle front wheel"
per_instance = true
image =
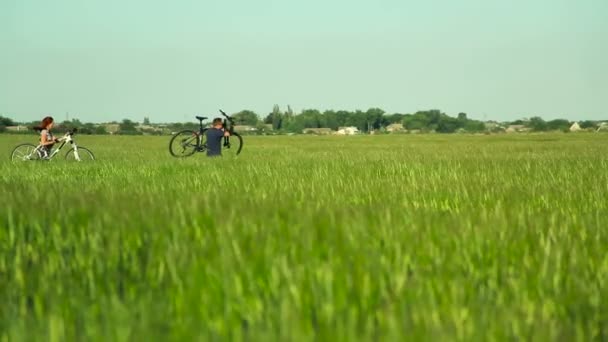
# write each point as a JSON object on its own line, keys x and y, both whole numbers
{"x": 80, "y": 154}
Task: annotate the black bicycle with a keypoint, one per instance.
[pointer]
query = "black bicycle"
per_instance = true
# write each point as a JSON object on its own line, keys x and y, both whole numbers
{"x": 186, "y": 143}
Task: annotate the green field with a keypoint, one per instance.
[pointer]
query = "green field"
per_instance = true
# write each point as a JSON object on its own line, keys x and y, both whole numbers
{"x": 428, "y": 237}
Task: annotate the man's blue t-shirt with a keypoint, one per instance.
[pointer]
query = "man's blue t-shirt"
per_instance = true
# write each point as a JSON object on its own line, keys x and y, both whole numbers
{"x": 214, "y": 142}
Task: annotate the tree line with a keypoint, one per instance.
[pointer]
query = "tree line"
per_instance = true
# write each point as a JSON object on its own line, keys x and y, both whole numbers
{"x": 286, "y": 121}
{"x": 373, "y": 119}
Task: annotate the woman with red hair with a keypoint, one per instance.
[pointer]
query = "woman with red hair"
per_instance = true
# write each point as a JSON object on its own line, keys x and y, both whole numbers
{"x": 46, "y": 137}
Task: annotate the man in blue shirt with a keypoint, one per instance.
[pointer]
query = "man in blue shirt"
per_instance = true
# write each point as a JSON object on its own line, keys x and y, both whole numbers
{"x": 214, "y": 138}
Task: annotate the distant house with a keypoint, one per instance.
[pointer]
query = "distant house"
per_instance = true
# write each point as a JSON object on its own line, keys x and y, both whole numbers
{"x": 347, "y": 130}
{"x": 517, "y": 129}
{"x": 492, "y": 125}
{"x": 396, "y": 127}
{"x": 16, "y": 128}
{"x": 575, "y": 127}
{"x": 245, "y": 128}
{"x": 148, "y": 129}
{"x": 112, "y": 128}
{"x": 317, "y": 131}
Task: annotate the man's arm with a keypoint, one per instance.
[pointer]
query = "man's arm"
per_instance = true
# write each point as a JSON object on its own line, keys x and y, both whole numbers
{"x": 219, "y": 133}
{"x": 226, "y": 133}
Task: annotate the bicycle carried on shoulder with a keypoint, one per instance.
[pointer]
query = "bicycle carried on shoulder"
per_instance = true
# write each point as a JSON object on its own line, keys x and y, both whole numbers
{"x": 30, "y": 152}
{"x": 187, "y": 142}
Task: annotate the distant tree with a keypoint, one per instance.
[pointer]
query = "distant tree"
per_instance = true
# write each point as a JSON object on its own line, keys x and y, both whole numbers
{"x": 72, "y": 123}
{"x": 146, "y": 121}
{"x": 448, "y": 124}
{"x": 277, "y": 118}
{"x": 344, "y": 118}
{"x": 558, "y": 125}
{"x": 2, "y": 128}
{"x": 4, "y": 121}
{"x": 423, "y": 120}
{"x": 310, "y": 118}
{"x": 31, "y": 124}
{"x": 289, "y": 112}
{"x": 179, "y": 126}
{"x": 373, "y": 118}
{"x": 394, "y": 118}
{"x": 415, "y": 121}
{"x": 587, "y": 124}
{"x": 330, "y": 120}
{"x": 268, "y": 119}
{"x": 87, "y": 128}
{"x": 537, "y": 124}
{"x": 100, "y": 130}
{"x": 246, "y": 117}
{"x": 127, "y": 127}
{"x": 288, "y": 117}
{"x": 83, "y": 128}
{"x": 151, "y": 131}
{"x": 296, "y": 125}
{"x": 261, "y": 128}
{"x": 435, "y": 120}
{"x": 358, "y": 119}
{"x": 474, "y": 126}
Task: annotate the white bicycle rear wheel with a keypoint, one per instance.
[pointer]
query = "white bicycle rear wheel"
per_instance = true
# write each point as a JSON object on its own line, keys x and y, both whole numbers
{"x": 25, "y": 152}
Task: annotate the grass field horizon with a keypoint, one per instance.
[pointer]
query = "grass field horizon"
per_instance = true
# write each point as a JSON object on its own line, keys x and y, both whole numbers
{"x": 390, "y": 237}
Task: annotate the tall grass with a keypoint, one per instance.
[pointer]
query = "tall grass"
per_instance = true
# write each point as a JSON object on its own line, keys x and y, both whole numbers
{"x": 310, "y": 238}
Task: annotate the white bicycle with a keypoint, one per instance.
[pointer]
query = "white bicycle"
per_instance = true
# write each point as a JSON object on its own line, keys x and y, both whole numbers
{"x": 31, "y": 152}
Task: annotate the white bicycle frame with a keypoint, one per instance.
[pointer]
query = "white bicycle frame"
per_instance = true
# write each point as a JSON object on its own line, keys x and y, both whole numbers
{"x": 67, "y": 138}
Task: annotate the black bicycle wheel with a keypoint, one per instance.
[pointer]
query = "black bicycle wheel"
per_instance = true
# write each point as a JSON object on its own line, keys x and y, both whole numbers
{"x": 233, "y": 146}
{"x": 184, "y": 144}
{"x": 25, "y": 152}
{"x": 80, "y": 155}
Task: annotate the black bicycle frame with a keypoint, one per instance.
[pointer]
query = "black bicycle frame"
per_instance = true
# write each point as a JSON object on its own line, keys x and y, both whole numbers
{"x": 228, "y": 127}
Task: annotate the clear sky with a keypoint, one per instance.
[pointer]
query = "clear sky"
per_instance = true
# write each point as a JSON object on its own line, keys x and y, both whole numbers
{"x": 104, "y": 60}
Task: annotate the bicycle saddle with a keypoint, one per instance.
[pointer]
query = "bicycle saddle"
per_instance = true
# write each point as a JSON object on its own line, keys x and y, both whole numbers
{"x": 201, "y": 118}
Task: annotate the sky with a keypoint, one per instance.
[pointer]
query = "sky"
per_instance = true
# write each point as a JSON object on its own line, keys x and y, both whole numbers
{"x": 104, "y": 60}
